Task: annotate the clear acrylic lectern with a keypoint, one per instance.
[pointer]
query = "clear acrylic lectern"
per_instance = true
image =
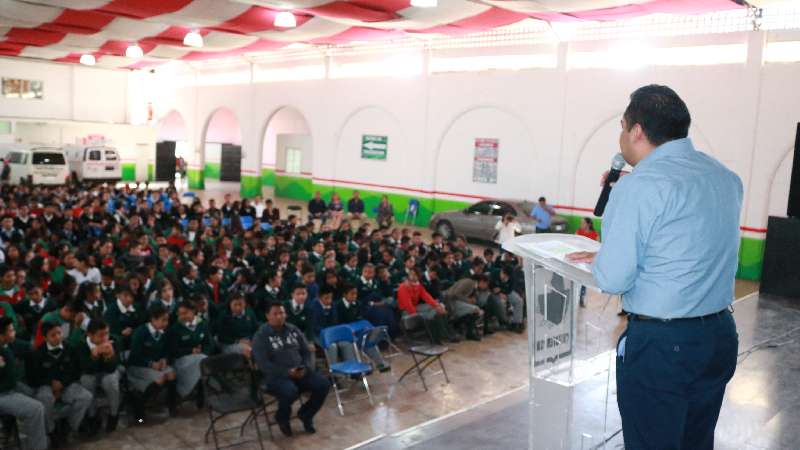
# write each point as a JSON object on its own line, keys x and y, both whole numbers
{"x": 571, "y": 361}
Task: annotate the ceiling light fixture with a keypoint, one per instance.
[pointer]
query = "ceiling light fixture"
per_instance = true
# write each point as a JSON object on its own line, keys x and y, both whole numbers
{"x": 285, "y": 19}
{"x": 88, "y": 59}
{"x": 134, "y": 51}
{"x": 424, "y": 3}
{"x": 193, "y": 39}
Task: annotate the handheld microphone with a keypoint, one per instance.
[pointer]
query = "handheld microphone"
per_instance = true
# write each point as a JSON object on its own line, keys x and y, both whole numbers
{"x": 617, "y": 164}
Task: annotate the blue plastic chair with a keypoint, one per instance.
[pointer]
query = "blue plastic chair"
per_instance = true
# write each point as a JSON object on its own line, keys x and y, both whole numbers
{"x": 344, "y": 334}
{"x": 206, "y": 221}
{"x": 189, "y": 194}
{"x": 411, "y": 211}
{"x": 246, "y": 221}
{"x": 184, "y": 223}
{"x": 368, "y": 335}
{"x": 266, "y": 226}
{"x": 226, "y": 221}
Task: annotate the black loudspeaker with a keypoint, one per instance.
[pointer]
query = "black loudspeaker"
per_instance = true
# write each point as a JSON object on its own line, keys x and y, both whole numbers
{"x": 781, "y": 271}
{"x": 794, "y": 187}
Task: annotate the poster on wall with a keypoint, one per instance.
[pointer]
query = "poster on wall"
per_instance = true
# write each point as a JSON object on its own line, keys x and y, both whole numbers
{"x": 374, "y": 147}
{"x": 484, "y": 165}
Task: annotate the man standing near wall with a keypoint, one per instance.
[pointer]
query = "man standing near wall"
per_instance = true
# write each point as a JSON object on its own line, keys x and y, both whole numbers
{"x": 673, "y": 256}
{"x": 542, "y": 213}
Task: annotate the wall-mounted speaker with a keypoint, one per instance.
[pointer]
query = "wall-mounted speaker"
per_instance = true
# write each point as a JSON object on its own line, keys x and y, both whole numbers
{"x": 794, "y": 188}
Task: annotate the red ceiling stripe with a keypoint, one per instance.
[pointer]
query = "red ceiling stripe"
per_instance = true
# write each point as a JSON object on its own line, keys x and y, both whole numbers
{"x": 254, "y": 20}
{"x": 33, "y": 36}
{"x": 637, "y": 10}
{"x": 493, "y": 18}
{"x": 79, "y": 22}
{"x": 141, "y": 9}
{"x": 360, "y": 34}
{"x": 362, "y": 11}
{"x": 11, "y": 48}
{"x": 170, "y": 36}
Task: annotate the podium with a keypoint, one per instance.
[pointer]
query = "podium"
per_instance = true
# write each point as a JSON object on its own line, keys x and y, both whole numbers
{"x": 571, "y": 362}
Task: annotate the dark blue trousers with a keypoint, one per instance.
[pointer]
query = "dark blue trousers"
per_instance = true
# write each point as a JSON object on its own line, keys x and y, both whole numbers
{"x": 287, "y": 391}
{"x": 671, "y": 381}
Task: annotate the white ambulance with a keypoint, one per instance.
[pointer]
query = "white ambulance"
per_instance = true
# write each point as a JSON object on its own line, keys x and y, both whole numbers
{"x": 98, "y": 163}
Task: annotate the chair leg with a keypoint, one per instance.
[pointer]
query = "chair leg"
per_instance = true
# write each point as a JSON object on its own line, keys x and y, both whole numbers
{"x": 366, "y": 386}
{"x": 269, "y": 422}
{"x": 441, "y": 363}
{"x": 246, "y": 422}
{"x": 338, "y": 398}
{"x": 258, "y": 428}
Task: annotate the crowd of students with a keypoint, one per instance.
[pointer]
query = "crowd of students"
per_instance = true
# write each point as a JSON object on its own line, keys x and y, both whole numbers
{"x": 108, "y": 291}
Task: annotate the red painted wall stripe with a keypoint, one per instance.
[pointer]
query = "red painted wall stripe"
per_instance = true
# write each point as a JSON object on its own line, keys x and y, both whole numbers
{"x": 476, "y": 197}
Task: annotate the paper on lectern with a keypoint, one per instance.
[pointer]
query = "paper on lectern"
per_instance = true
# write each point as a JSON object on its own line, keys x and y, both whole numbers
{"x": 557, "y": 250}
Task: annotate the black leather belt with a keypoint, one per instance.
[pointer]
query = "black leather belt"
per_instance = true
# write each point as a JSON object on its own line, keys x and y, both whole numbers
{"x": 677, "y": 319}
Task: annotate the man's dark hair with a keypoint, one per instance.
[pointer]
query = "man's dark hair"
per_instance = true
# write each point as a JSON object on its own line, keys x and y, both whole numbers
{"x": 96, "y": 325}
{"x": 47, "y": 326}
{"x": 187, "y": 304}
{"x": 660, "y": 112}
{"x": 274, "y": 305}
{"x": 157, "y": 311}
{"x": 5, "y": 322}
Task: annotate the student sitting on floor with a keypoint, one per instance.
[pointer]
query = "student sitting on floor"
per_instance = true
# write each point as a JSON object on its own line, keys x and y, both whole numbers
{"x": 13, "y": 401}
{"x": 412, "y": 298}
{"x": 100, "y": 368}
{"x": 54, "y": 373}
{"x": 236, "y": 326}
{"x": 189, "y": 343}
{"x": 148, "y": 370}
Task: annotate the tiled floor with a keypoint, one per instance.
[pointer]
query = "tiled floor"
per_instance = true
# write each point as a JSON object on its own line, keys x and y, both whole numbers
{"x": 479, "y": 372}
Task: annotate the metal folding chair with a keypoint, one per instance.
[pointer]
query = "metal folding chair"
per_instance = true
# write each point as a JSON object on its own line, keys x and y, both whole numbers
{"x": 10, "y": 433}
{"x": 342, "y": 333}
{"x": 427, "y": 353}
{"x": 231, "y": 387}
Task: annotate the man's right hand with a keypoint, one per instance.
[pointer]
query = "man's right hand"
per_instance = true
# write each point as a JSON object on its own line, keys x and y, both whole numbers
{"x": 296, "y": 373}
{"x": 605, "y": 175}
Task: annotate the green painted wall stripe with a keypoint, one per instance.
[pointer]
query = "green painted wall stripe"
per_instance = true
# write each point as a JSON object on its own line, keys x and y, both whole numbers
{"x": 196, "y": 178}
{"x": 250, "y": 186}
{"x": 128, "y": 171}
{"x": 298, "y": 188}
{"x": 151, "y": 172}
{"x": 267, "y": 177}
{"x": 751, "y": 258}
{"x": 211, "y": 170}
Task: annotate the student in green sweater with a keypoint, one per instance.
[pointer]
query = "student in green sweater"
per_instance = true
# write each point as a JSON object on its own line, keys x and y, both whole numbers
{"x": 148, "y": 368}
{"x": 236, "y": 326}
{"x": 53, "y": 372}
{"x": 13, "y": 402}
{"x": 99, "y": 367}
{"x": 70, "y": 318}
{"x": 123, "y": 316}
{"x": 267, "y": 293}
{"x": 31, "y": 310}
{"x": 189, "y": 343}
{"x": 298, "y": 311}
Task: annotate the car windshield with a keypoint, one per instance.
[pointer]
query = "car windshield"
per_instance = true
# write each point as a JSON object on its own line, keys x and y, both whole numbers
{"x": 48, "y": 158}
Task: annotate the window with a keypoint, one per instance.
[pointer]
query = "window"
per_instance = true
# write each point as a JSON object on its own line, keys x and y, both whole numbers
{"x": 27, "y": 89}
{"x": 484, "y": 208}
{"x": 502, "y": 208}
{"x": 94, "y": 155}
{"x": 48, "y": 158}
{"x": 294, "y": 160}
{"x": 17, "y": 158}
{"x": 111, "y": 155}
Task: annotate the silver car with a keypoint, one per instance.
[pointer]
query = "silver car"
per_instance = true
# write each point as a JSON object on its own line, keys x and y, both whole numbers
{"x": 478, "y": 221}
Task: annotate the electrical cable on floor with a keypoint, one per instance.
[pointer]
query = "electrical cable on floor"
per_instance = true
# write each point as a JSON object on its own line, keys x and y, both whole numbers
{"x": 768, "y": 343}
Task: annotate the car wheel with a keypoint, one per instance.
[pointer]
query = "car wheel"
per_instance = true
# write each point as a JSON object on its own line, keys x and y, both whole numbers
{"x": 445, "y": 229}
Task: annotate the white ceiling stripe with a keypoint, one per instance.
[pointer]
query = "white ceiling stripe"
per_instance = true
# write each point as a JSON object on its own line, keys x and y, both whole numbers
{"x": 20, "y": 14}
{"x": 202, "y": 13}
{"x": 313, "y": 29}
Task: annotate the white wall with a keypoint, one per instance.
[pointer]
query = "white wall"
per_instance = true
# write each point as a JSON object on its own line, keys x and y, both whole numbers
{"x": 71, "y": 92}
{"x": 557, "y": 127}
{"x": 286, "y": 121}
{"x": 301, "y": 142}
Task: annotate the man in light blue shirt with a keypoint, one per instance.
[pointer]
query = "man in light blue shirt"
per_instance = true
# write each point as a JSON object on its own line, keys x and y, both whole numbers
{"x": 542, "y": 213}
{"x": 670, "y": 246}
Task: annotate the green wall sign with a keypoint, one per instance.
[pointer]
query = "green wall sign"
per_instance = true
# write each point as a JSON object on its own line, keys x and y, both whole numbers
{"x": 374, "y": 147}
